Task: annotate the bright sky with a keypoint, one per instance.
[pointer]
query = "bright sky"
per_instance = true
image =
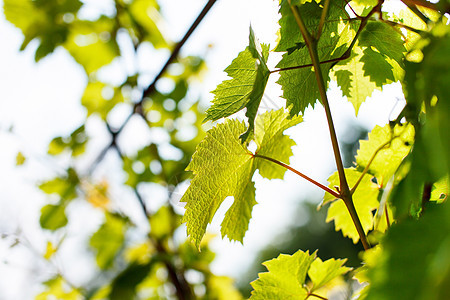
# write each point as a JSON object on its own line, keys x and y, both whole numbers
{"x": 41, "y": 101}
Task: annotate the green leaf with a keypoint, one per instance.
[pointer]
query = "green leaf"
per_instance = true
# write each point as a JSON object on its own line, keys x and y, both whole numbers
{"x": 271, "y": 142}
{"x": 385, "y": 39}
{"x": 376, "y": 67}
{"x": 321, "y": 272}
{"x": 350, "y": 76}
{"x": 391, "y": 146}
{"x": 364, "y": 199}
{"x": 414, "y": 262}
{"x": 249, "y": 74}
{"x": 108, "y": 240}
{"x": 53, "y": 217}
{"x": 299, "y": 85}
{"x": 285, "y": 278}
{"x": 224, "y": 167}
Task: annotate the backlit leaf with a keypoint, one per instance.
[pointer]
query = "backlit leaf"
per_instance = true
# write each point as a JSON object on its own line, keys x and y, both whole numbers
{"x": 364, "y": 199}
{"x": 285, "y": 277}
{"x": 387, "y": 40}
{"x": 224, "y": 167}
{"x": 322, "y": 272}
{"x": 350, "y": 75}
{"x": 299, "y": 85}
{"x": 249, "y": 74}
{"x": 390, "y": 146}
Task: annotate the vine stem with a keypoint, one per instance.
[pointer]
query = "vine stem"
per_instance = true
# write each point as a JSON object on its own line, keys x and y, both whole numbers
{"x": 344, "y": 189}
{"x": 323, "y": 187}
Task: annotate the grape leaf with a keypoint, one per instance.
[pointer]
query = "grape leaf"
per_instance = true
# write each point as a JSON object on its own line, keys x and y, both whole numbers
{"x": 391, "y": 144}
{"x": 224, "y": 167}
{"x": 384, "y": 38}
{"x": 271, "y": 142}
{"x": 286, "y": 276}
{"x": 299, "y": 85}
{"x": 376, "y": 67}
{"x": 322, "y": 272}
{"x": 350, "y": 76}
{"x": 249, "y": 74}
{"x": 365, "y": 200}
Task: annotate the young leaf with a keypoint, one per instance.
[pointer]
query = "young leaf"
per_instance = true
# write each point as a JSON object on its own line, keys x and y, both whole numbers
{"x": 249, "y": 74}
{"x": 271, "y": 142}
{"x": 390, "y": 146}
{"x": 322, "y": 272}
{"x": 224, "y": 167}
{"x": 285, "y": 277}
{"x": 364, "y": 199}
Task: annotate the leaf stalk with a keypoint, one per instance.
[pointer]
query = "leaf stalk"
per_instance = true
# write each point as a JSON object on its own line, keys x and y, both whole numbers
{"x": 323, "y": 187}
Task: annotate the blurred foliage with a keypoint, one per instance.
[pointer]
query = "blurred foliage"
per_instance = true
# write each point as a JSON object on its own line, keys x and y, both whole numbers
{"x": 158, "y": 265}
